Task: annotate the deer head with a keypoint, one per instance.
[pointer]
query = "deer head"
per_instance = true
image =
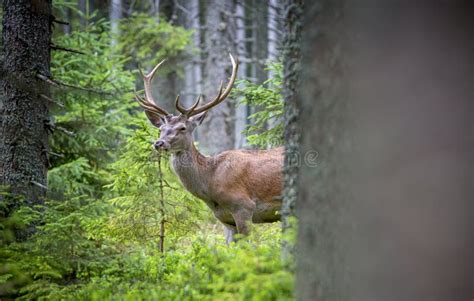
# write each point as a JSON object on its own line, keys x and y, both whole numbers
{"x": 176, "y": 130}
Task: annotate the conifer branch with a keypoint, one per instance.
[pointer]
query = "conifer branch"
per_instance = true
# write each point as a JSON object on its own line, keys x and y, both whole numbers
{"x": 60, "y": 104}
{"x": 57, "y": 83}
{"x": 56, "y": 47}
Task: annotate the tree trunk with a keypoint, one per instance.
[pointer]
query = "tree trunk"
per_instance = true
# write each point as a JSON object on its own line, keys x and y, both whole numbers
{"x": 169, "y": 85}
{"x": 260, "y": 40}
{"x": 196, "y": 25}
{"x": 217, "y": 132}
{"x": 68, "y": 18}
{"x": 192, "y": 69}
{"x": 155, "y": 7}
{"x": 274, "y": 31}
{"x": 291, "y": 51}
{"x": 23, "y": 113}
{"x": 115, "y": 14}
{"x": 386, "y": 101}
{"x": 241, "y": 109}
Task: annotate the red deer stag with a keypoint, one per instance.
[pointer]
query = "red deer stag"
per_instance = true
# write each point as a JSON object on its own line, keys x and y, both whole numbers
{"x": 240, "y": 186}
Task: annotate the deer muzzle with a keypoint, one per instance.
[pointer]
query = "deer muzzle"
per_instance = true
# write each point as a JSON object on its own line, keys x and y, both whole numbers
{"x": 161, "y": 145}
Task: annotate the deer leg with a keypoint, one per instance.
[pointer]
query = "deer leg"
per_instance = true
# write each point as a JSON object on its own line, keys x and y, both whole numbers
{"x": 242, "y": 219}
{"x": 229, "y": 232}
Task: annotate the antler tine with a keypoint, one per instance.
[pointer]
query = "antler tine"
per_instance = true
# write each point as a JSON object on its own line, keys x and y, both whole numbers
{"x": 147, "y": 81}
{"x": 149, "y": 103}
{"x": 222, "y": 95}
{"x": 143, "y": 103}
{"x": 179, "y": 107}
{"x": 187, "y": 112}
{"x": 198, "y": 100}
{"x": 149, "y": 106}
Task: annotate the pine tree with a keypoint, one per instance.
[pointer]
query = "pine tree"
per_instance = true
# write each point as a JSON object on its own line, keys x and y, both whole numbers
{"x": 291, "y": 50}
{"x": 24, "y": 106}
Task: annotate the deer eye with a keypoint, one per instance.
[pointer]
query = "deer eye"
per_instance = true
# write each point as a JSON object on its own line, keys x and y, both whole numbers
{"x": 182, "y": 129}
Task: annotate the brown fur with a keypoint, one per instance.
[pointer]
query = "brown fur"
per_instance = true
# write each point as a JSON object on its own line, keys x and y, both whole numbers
{"x": 239, "y": 186}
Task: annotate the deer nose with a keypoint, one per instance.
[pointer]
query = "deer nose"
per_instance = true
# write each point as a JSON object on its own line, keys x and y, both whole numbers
{"x": 158, "y": 144}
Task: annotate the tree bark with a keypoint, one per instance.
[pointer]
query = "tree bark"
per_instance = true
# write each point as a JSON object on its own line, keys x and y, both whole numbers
{"x": 23, "y": 113}
{"x": 386, "y": 101}
{"x": 217, "y": 132}
{"x": 291, "y": 51}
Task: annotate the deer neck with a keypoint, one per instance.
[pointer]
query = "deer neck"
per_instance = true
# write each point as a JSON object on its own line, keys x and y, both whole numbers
{"x": 193, "y": 169}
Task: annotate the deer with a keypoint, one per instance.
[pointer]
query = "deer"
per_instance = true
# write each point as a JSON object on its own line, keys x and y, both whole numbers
{"x": 239, "y": 186}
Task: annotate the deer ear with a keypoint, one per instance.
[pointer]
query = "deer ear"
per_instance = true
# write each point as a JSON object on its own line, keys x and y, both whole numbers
{"x": 199, "y": 118}
{"x": 155, "y": 119}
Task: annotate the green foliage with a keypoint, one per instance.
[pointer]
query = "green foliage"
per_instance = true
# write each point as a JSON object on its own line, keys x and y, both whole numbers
{"x": 146, "y": 40}
{"x": 60, "y": 5}
{"x": 145, "y": 191}
{"x": 70, "y": 257}
{"x": 206, "y": 271}
{"x": 266, "y": 128}
{"x": 97, "y": 120}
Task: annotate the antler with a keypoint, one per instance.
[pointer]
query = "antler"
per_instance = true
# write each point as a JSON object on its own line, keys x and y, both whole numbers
{"x": 217, "y": 100}
{"x": 187, "y": 111}
{"x": 148, "y": 103}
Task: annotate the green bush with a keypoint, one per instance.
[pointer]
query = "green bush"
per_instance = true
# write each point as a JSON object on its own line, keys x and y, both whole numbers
{"x": 266, "y": 128}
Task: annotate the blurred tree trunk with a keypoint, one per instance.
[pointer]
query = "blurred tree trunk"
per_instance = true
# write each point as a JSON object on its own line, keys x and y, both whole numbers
{"x": 274, "y": 31}
{"x": 249, "y": 27}
{"x": 196, "y": 26}
{"x": 323, "y": 200}
{"x": 217, "y": 132}
{"x": 115, "y": 14}
{"x": 241, "y": 110}
{"x": 155, "y": 5}
{"x": 291, "y": 51}
{"x": 190, "y": 16}
{"x": 68, "y": 18}
{"x": 23, "y": 113}
{"x": 275, "y": 35}
{"x": 386, "y": 101}
{"x": 170, "y": 84}
{"x": 260, "y": 40}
